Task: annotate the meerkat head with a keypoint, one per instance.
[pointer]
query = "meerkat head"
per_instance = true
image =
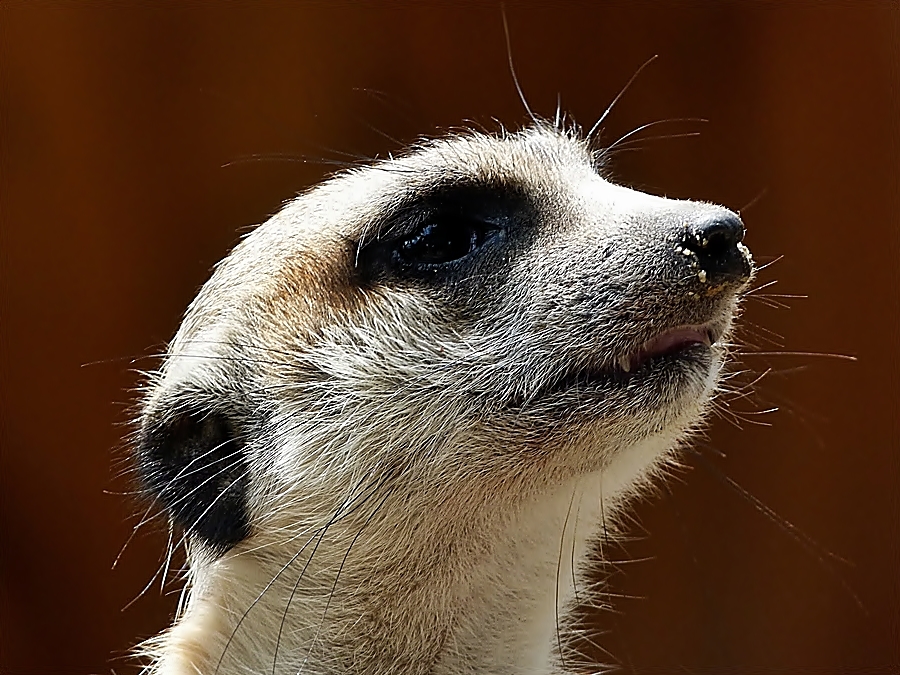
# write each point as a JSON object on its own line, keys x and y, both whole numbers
{"x": 407, "y": 370}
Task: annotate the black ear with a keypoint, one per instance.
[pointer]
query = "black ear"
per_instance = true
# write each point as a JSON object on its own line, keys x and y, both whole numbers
{"x": 194, "y": 464}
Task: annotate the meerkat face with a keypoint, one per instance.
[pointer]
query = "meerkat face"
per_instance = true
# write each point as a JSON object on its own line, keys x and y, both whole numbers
{"x": 484, "y": 312}
{"x": 377, "y": 414}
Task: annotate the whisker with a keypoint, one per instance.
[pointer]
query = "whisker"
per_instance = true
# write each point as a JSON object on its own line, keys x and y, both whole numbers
{"x": 768, "y": 302}
{"x": 769, "y": 264}
{"x": 572, "y": 552}
{"x": 557, "y": 117}
{"x": 381, "y": 133}
{"x": 760, "y": 287}
{"x": 726, "y": 414}
{"x": 562, "y": 539}
{"x": 182, "y": 472}
{"x": 652, "y": 124}
{"x": 512, "y": 68}
{"x": 753, "y": 202}
{"x": 289, "y": 158}
{"x": 335, "y": 518}
{"x": 809, "y": 544}
{"x": 828, "y": 355}
{"x": 622, "y": 91}
{"x": 636, "y": 141}
{"x": 170, "y": 549}
{"x": 147, "y": 587}
{"x": 775, "y": 337}
{"x": 746, "y": 389}
{"x": 278, "y": 574}
{"x": 287, "y": 605}
{"x": 337, "y": 577}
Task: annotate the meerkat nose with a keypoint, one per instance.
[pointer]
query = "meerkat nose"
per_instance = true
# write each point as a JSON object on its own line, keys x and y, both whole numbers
{"x": 716, "y": 239}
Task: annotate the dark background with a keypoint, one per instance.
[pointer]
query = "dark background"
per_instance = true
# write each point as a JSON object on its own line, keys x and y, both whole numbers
{"x": 117, "y": 119}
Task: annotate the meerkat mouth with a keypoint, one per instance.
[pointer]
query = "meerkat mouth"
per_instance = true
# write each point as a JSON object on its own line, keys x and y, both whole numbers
{"x": 666, "y": 343}
{"x": 686, "y": 345}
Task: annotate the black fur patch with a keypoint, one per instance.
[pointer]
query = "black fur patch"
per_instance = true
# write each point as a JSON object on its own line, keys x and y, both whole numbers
{"x": 194, "y": 465}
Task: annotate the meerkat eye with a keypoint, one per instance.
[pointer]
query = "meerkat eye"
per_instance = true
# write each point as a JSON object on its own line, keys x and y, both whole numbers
{"x": 439, "y": 232}
{"x": 443, "y": 241}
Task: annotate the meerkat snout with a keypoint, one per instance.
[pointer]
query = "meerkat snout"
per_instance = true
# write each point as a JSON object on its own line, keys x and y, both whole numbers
{"x": 381, "y": 415}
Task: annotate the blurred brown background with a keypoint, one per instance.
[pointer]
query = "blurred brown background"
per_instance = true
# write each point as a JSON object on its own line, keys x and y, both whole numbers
{"x": 118, "y": 120}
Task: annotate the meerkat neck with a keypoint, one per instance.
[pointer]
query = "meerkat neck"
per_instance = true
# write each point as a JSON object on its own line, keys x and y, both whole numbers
{"x": 510, "y": 604}
{"x": 490, "y": 603}
{"x": 484, "y": 596}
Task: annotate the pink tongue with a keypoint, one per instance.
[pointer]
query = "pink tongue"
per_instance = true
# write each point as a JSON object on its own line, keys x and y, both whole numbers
{"x": 672, "y": 341}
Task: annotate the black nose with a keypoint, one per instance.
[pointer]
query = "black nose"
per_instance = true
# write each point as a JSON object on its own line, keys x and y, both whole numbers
{"x": 715, "y": 239}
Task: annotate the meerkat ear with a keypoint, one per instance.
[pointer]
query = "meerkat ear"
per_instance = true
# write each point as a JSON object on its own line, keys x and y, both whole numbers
{"x": 193, "y": 464}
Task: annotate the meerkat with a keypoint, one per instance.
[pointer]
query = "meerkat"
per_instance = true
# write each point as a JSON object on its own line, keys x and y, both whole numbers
{"x": 392, "y": 422}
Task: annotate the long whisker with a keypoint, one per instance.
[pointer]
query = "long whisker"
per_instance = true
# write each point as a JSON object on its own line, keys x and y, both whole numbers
{"x": 647, "y": 126}
{"x": 572, "y": 552}
{"x": 562, "y": 539}
{"x": 760, "y": 287}
{"x": 806, "y": 542}
{"x": 769, "y": 264}
{"x": 338, "y": 576}
{"x": 826, "y": 355}
{"x": 753, "y": 202}
{"x": 287, "y": 605}
{"x": 290, "y": 159}
{"x": 160, "y": 573}
{"x": 338, "y": 514}
{"x": 512, "y": 68}
{"x": 622, "y": 91}
{"x": 636, "y": 141}
{"x": 283, "y": 569}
